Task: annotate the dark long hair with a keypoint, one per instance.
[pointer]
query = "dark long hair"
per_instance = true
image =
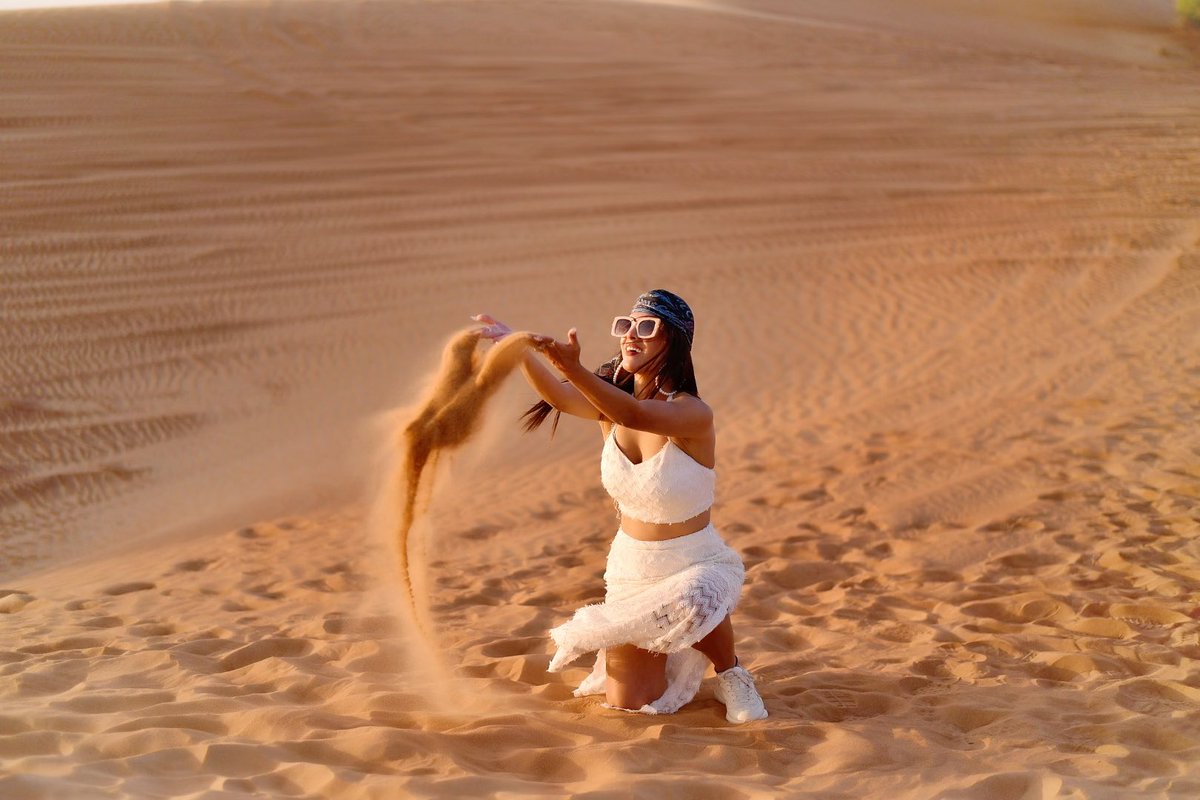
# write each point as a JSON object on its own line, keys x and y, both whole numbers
{"x": 673, "y": 367}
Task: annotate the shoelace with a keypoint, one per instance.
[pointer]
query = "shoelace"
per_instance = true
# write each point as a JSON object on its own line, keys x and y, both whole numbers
{"x": 741, "y": 686}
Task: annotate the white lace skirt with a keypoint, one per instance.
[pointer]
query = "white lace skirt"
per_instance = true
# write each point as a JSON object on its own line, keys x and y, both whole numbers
{"x": 661, "y": 596}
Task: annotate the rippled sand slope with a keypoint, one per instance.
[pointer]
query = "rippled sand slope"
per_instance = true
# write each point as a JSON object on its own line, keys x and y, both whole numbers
{"x": 946, "y": 270}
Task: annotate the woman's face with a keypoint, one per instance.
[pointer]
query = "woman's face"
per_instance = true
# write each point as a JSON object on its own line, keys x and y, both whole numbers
{"x": 637, "y": 353}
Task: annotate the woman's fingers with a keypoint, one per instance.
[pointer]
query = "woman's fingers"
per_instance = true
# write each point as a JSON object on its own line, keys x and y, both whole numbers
{"x": 550, "y": 348}
{"x": 494, "y": 329}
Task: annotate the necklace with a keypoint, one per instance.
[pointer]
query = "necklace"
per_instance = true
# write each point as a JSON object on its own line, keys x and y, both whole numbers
{"x": 670, "y": 394}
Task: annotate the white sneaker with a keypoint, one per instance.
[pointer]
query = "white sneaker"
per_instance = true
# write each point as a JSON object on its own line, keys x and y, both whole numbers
{"x": 735, "y": 688}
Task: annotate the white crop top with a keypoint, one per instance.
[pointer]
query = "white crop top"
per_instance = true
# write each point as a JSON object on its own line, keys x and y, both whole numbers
{"x": 669, "y": 486}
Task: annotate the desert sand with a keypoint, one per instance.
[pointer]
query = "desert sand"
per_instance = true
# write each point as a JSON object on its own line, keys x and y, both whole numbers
{"x": 945, "y": 264}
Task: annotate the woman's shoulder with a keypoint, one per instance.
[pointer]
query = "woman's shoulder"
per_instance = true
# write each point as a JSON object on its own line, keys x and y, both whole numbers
{"x": 691, "y": 400}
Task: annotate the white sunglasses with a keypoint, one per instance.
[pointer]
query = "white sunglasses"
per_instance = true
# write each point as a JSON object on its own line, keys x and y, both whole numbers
{"x": 643, "y": 327}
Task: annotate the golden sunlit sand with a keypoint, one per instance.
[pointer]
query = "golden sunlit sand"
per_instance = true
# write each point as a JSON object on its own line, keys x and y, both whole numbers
{"x": 945, "y": 264}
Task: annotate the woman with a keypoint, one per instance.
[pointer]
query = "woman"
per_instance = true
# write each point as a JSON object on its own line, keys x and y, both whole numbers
{"x": 670, "y": 580}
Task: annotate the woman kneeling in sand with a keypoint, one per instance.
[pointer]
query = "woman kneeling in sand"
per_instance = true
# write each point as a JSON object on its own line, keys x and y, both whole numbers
{"x": 670, "y": 580}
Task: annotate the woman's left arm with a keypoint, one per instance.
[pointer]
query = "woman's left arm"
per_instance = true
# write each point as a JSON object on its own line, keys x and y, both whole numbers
{"x": 686, "y": 418}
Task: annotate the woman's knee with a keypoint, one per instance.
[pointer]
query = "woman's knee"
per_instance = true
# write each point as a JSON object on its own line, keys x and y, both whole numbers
{"x": 634, "y": 696}
{"x": 635, "y": 676}
{"x": 628, "y": 697}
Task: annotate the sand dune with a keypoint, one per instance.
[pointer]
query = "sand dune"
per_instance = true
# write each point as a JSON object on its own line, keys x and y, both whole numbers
{"x": 945, "y": 262}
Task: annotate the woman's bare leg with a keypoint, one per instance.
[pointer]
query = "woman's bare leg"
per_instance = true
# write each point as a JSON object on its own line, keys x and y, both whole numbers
{"x": 718, "y": 646}
{"x": 635, "y": 676}
{"x": 735, "y": 687}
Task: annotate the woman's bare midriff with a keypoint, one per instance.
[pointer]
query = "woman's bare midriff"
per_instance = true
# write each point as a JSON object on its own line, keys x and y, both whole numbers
{"x": 657, "y": 532}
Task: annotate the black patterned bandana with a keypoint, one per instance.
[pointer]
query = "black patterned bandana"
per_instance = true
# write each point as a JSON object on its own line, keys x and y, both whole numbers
{"x": 670, "y": 308}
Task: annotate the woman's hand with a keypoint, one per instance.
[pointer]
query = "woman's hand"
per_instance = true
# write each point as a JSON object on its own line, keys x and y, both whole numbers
{"x": 494, "y": 329}
{"x": 563, "y": 355}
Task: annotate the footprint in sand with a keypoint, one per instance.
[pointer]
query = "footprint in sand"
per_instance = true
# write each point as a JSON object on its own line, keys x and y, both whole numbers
{"x": 374, "y": 626}
{"x": 546, "y": 514}
{"x": 1018, "y": 522}
{"x": 195, "y": 565}
{"x": 127, "y": 588}
{"x": 480, "y": 533}
{"x": 903, "y": 633}
{"x": 279, "y": 647}
{"x": 1147, "y": 696}
{"x": 837, "y": 705}
{"x": 1015, "y": 785}
{"x": 149, "y": 628}
{"x": 266, "y": 591}
{"x": 601, "y": 537}
{"x": 1144, "y": 615}
{"x": 800, "y": 575}
{"x": 13, "y": 600}
{"x": 505, "y": 648}
{"x": 934, "y": 575}
{"x": 338, "y": 578}
{"x": 817, "y": 496}
{"x": 53, "y": 678}
{"x": 68, "y": 644}
{"x": 969, "y": 718}
{"x": 1012, "y": 610}
{"x": 853, "y": 515}
{"x": 112, "y": 701}
{"x": 1026, "y": 562}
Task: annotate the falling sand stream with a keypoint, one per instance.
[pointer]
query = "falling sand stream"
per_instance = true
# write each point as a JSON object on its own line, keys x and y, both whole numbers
{"x": 449, "y": 416}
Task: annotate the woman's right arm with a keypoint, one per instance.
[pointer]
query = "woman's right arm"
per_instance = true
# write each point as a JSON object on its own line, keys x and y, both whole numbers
{"x": 558, "y": 393}
{"x": 555, "y": 391}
